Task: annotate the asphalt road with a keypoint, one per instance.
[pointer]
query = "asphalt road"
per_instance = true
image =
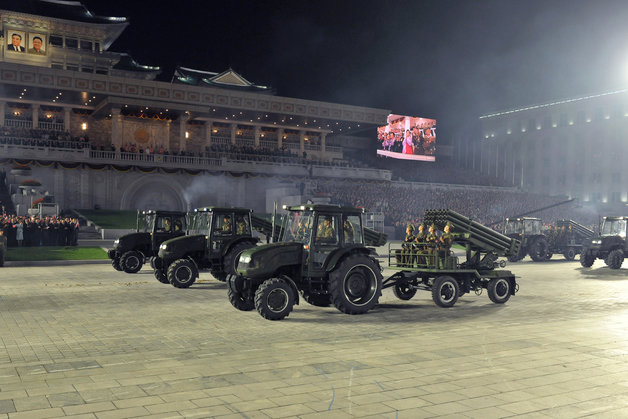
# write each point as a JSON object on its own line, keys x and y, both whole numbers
{"x": 84, "y": 340}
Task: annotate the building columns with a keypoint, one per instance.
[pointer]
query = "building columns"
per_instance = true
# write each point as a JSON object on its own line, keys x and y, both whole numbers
{"x": 234, "y": 129}
{"x": 182, "y": 129}
{"x": 3, "y": 109}
{"x": 323, "y": 145}
{"x": 67, "y": 114}
{"x": 256, "y": 132}
{"x": 35, "y": 109}
{"x": 301, "y": 142}
{"x": 116, "y": 127}
{"x": 208, "y": 134}
{"x": 280, "y": 138}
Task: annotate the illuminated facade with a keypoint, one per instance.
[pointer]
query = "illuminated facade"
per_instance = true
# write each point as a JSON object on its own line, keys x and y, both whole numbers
{"x": 573, "y": 147}
{"x": 57, "y": 73}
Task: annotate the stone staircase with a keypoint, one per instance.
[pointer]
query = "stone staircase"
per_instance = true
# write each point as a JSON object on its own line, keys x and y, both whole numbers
{"x": 88, "y": 232}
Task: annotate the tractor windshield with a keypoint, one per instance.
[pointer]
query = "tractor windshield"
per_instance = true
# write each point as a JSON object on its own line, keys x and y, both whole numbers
{"x": 145, "y": 223}
{"x": 514, "y": 227}
{"x": 614, "y": 228}
{"x": 200, "y": 222}
{"x": 298, "y": 227}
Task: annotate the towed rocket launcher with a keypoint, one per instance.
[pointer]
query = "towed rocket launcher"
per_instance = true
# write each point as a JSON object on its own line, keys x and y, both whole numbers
{"x": 579, "y": 230}
{"x": 483, "y": 245}
{"x": 374, "y": 238}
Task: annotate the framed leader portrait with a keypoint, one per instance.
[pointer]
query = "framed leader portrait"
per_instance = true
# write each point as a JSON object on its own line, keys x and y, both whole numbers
{"x": 37, "y": 43}
{"x": 17, "y": 41}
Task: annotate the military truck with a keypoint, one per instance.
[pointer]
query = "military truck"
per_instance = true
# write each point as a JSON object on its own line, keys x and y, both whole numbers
{"x": 153, "y": 227}
{"x": 609, "y": 245}
{"x": 3, "y": 249}
{"x": 440, "y": 272}
{"x": 321, "y": 253}
{"x": 528, "y": 231}
{"x": 216, "y": 237}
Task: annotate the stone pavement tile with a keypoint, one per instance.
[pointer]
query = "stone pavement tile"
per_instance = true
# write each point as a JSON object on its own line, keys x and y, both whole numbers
{"x": 93, "y": 396}
{"x": 246, "y": 406}
{"x": 50, "y": 389}
{"x": 88, "y": 407}
{"x": 245, "y": 415}
{"x": 493, "y": 412}
{"x": 205, "y": 412}
{"x": 6, "y": 395}
{"x": 31, "y": 403}
{"x": 137, "y": 401}
{"x": 138, "y": 380}
{"x": 482, "y": 402}
{"x": 129, "y": 412}
{"x": 368, "y": 409}
{"x": 167, "y": 415}
{"x": 99, "y": 384}
{"x": 453, "y": 408}
{"x": 37, "y": 414}
{"x": 472, "y": 392}
{"x": 443, "y": 397}
{"x": 409, "y": 403}
{"x": 171, "y": 406}
{"x": 7, "y": 406}
{"x": 375, "y": 397}
{"x": 82, "y": 416}
{"x": 127, "y": 392}
{"x": 293, "y": 399}
{"x": 287, "y": 411}
{"x": 208, "y": 402}
{"x": 333, "y": 414}
{"x": 183, "y": 395}
{"x": 65, "y": 399}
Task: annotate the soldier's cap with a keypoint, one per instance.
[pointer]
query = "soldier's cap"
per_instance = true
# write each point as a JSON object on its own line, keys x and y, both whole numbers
{"x": 422, "y": 225}
{"x": 410, "y": 227}
{"x": 449, "y": 224}
{"x": 433, "y": 226}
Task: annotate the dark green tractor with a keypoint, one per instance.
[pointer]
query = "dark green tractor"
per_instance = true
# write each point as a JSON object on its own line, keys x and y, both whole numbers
{"x": 321, "y": 254}
{"x": 610, "y": 245}
{"x": 130, "y": 251}
{"x": 214, "y": 242}
{"x": 528, "y": 231}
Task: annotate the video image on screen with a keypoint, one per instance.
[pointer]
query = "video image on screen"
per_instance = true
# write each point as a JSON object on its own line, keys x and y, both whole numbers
{"x": 408, "y": 138}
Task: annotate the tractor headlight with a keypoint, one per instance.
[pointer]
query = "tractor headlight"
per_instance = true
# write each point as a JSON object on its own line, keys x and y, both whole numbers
{"x": 245, "y": 259}
{"x": 596, "y": 241}
{"x": 163, "y": 246}
{"x": 116, "y": 242}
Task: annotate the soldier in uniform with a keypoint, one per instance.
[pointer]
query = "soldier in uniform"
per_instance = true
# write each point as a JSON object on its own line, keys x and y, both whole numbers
{"x": 348, "y": 231}
{"x": 240, "y": 225}
{"x": 445, "y": 242}
{"x": 326, "y": 232}
{"x": 226, "y": 225}
{"x": 406, "y": 251}
{"x": 431, "y": 241}
{"x": 419, "y": 245}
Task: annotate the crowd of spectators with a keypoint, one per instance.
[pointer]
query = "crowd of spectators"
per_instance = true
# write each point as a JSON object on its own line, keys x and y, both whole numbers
{"x": 403, "y": 204}
{"x": 36, "y": 231}
{"x": 42, "y": 138}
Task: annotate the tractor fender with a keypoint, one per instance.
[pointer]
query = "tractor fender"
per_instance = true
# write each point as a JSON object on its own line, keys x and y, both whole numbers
{"x": 337, "y": 255}
{"x": 293, "y": 285}
{"x": 229, "y": 246}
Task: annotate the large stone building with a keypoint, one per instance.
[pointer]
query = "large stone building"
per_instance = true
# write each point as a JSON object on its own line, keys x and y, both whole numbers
{"x": 59, "y": 82}
{"x": 571, "y": 147}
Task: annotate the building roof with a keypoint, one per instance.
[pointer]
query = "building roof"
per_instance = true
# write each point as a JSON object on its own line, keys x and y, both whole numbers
{"x": 227, "y": 79}
{"x": 60, "y": 9}
{"x": 127, "y": 63}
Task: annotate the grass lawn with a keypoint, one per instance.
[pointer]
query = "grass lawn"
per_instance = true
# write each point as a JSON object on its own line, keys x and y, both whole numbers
{"x": 111, "y": 218}
{"x": 54, "y": 253}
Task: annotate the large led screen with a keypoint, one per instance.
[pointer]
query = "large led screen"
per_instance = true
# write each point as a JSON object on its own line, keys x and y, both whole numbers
{"x": 408, "y": 138}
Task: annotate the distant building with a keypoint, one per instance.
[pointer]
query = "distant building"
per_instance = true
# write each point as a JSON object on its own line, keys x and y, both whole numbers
{"x": 573, "y": 147}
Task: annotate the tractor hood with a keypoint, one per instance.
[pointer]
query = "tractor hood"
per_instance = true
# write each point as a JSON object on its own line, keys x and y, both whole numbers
{"x": 264, "y": 261}
{"x": 179, "y": 246}
{"x": 131, "y": 241}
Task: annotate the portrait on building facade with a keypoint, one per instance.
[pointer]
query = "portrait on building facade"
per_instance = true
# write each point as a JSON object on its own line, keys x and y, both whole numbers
{"x": 36, "y": 44}
{"x": 17, "y": 40}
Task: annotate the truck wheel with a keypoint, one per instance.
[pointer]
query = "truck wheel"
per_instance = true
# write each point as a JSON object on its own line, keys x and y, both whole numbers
{"x": 236, "y": 297}
{"x": 116, "y": 264}
{"x": 587, "y": 259}
{"x": 499, "y": 290}
{"x": 404, "y": 291}
{"x": 131, "y": 262}
{"x": 538, "y": 250}
{"x": 615, "y": 259}
{"x": 182, "y": 273}
{"x": 230, "y": 263}
{"x": 355, "y": 285}
{"x": 274, "y": 299}
{"x": 445, "y": 291}
{"x": 570, "y": 254}
{"x": 318, "y": 300}
{"x": 160, "y": 275}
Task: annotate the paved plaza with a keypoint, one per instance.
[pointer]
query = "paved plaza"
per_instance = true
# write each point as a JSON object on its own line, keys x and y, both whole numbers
{"x": 85, "y": 341}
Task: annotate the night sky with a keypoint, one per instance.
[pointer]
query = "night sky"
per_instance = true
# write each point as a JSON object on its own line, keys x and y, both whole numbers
{"x": 451, "y": 60}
